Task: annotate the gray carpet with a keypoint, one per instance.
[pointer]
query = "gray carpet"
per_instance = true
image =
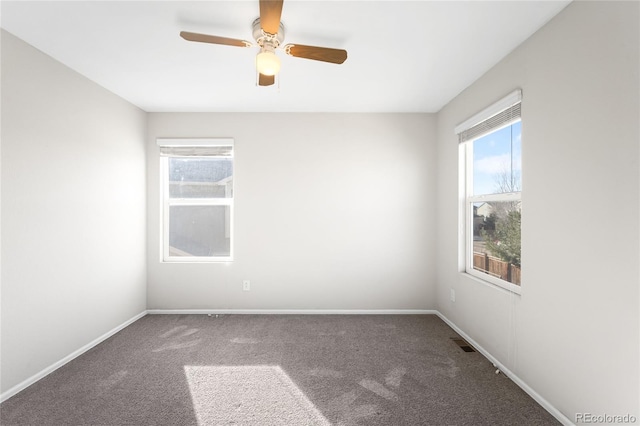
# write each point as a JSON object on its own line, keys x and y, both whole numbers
{"x": 277, "y": 370}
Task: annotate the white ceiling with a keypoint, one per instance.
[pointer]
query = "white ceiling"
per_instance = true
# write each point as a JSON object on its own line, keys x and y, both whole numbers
{"x": 404, "y": 56}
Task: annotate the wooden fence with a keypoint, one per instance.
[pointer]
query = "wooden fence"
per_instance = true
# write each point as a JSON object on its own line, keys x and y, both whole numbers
{"x": 496, "y": 267}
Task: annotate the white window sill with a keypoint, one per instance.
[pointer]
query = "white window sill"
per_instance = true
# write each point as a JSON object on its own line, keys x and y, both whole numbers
{"x": 198, "y": 260}
{"x": 494, "y": 283}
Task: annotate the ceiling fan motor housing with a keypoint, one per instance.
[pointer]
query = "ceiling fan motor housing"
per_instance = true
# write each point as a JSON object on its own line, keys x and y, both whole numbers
{"x": 263, "y": 38}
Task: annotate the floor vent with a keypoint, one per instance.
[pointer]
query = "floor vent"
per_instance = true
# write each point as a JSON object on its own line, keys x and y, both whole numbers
{"x": 463, "y": 344}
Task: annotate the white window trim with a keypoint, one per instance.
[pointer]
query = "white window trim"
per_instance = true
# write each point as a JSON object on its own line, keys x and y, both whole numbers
{"x": 466, "y": 201}
{"x": 166, "y": 202}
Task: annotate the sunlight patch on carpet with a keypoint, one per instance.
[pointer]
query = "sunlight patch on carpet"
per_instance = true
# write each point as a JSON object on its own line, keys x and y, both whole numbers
{"x": 249, "y": 395}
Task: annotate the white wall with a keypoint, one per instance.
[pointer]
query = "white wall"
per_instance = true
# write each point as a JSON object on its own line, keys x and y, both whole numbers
{"x": 332, "y": 211}
{"x": 73, "y": 211}
{"x": 573, "y": 334}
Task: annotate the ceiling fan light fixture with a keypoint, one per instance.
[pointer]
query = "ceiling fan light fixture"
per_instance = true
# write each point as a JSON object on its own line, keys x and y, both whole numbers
{"x": 267, "y": 63}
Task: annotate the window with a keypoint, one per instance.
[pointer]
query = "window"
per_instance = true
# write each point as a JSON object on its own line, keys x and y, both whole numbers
{"x": 490, "y": 149}
{"x": 197, "y": 199}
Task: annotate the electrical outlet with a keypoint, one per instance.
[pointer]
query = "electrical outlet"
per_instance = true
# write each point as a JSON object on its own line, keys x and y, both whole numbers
{"x": 453, "y": 295}
{"x": 246, "y": 285}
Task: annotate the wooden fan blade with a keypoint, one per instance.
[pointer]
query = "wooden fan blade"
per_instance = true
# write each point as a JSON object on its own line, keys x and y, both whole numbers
{"x": 266, "y": 80}
{"x": 204, "y": 38}
{"x": 324, "y": 54}
{"x": 270, "y": 12}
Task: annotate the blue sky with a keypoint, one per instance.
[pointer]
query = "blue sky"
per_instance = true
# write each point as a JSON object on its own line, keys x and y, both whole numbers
{"x": 496, "y": 153}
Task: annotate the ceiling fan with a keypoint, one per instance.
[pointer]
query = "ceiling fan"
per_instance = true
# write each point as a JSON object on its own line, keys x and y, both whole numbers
{"x": 268, "y": 33}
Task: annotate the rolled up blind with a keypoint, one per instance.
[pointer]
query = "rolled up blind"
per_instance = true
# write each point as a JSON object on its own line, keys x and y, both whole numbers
{"x": 502, "y": 113}
{"x": 196, "y": 147}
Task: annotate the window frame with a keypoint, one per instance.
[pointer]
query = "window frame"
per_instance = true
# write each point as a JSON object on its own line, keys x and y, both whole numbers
{"x": 469, "y": 200}
{"x": 484, "y": 123}
{"x": 166, "y": 202}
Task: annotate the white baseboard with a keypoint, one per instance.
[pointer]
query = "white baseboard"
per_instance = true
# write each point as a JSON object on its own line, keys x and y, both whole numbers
{"x": 292, "y": 311}
{"x": 518, "y": 381}
{"x": 31, "y": 380}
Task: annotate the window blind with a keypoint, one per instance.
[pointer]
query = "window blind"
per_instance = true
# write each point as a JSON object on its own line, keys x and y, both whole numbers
{"x": 194, "y": 147}
{"x": 500, "y": 114}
